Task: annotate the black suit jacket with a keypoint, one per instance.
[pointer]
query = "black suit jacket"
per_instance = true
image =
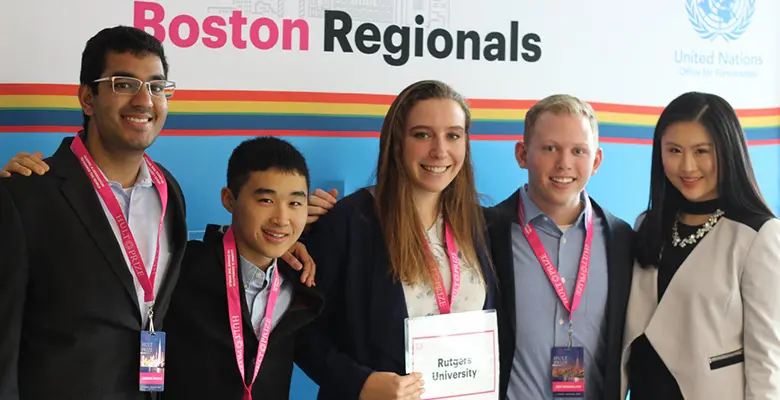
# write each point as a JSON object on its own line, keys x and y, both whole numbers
{"x": 361, "y": 329}
{"x": 619, "y": 241}
{"x": 201, "y": 360}
{"x": 71, "y": 323}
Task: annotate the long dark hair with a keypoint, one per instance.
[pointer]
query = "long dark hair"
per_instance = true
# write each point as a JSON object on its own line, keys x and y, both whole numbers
{"x": 394, "y": 203}
{"x": 737, "y": 185}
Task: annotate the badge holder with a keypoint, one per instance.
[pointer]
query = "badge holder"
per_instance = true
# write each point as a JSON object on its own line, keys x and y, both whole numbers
{"x": 457, "y": 354}
{"x": 568, "y": 370}
{"x": 152, "y": 371}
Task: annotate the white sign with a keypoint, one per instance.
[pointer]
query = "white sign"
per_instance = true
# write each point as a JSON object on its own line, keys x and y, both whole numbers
{"x": 456, "y": 353}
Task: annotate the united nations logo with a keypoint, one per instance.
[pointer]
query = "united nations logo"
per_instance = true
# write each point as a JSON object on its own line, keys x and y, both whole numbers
{"x": 728, "y": 19}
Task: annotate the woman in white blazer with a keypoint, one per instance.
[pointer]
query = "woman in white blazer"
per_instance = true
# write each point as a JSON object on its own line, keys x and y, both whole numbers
{"x": 703, "y": 318}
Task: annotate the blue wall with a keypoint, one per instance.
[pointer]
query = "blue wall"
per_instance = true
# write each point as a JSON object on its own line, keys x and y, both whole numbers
{"x": 199, "y": 163}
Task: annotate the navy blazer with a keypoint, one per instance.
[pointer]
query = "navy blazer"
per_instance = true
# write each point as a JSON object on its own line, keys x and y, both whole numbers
{"x": 71, "y": 323}
{"x": 361, "y": 329}
{"x": 620, "y": 258}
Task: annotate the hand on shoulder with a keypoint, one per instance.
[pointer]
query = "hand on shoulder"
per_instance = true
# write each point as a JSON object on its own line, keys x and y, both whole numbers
{"x": 25, "y": 164}
{"x": 320, "y": 202}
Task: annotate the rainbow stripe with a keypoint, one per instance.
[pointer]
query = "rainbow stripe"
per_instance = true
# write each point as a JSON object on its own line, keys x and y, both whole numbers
{"x": 30, "y": 107}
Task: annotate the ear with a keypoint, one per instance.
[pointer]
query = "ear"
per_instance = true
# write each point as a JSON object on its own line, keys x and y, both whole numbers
{"x": 597, "y": 161}
{"x": 227, "y": 199}
{"x": 86, "y": 98}
{"x": 521, "y": 154}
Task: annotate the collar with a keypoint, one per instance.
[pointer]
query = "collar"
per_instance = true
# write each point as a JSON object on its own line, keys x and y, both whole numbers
{"x": 144, "y": 178}
{"x": 701, "y": 207}
{"x": 249, "y": 271}
{"x": 533, "y": 212}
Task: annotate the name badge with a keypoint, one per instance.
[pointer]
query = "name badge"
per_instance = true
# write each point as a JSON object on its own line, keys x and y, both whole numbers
{"x": 457, "y": 354}
{"x": 152, "y": 373}
{"x": 568, "y": 372}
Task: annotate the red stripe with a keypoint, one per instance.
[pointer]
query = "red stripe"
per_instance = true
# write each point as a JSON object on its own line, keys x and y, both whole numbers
{"x": 268, "y": 132}
{"x": 11, "y": 89}
{"x": 315, "y": 97}
{"x": 763, "y": 142}
{"x": 503, "y": 104}
{"x": 15, "y": 89}
{"x": 38, "y": 129}
{"x": 759, "y": 112}
{"x": 603, "y": 139}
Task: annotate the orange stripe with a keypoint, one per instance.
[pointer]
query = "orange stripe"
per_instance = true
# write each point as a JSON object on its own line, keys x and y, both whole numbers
{"x": 39, "y": 129}
{"x": 626, "y": 109}
{"x": 310, "y": 97}
{"x": 501, "y": 104}
{"x": 758, "y": 112}
{"x": 603, "y": 139}
{"x": 344, "y": 98}
{"x": 38, "y": 89}
{"x": 763, "y": 142}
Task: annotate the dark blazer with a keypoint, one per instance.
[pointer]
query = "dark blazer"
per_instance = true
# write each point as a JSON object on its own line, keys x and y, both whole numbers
{"x": 619, "y": 241}
{"x": 201, "y": 360}
{"x": 69, "y": 306}
{"x": 362, "y": 327}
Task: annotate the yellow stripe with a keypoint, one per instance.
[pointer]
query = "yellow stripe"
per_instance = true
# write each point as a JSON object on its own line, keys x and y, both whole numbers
{"x": 761, "y": 122}
{"x": 39, "y": 101}
{"x": 377, "y": 110}
{"x": 627, "y": 119}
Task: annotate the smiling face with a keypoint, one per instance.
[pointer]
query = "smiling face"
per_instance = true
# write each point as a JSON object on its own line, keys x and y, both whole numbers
{"x": 561, "y": 155}
{"x": 434, "y": 144}
{"x": 121, "y": 122}
{"x": 269, "y": 214}
{"x": 690, "y": 160}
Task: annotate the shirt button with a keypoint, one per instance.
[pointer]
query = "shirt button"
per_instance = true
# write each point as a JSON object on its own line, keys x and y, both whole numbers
{"x": 563, "y": 279}
{"x": 257, "y": 275}
{"x": 560, "y": 322}
{"x": 545, "y": 218}
{"x": 563, "y": 240}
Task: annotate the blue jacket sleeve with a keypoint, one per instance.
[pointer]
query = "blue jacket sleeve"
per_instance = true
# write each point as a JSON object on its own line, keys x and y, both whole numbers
{"x": 337, "y": 374}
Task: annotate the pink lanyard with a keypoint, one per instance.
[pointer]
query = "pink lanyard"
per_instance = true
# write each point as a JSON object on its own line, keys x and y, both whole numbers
{"x": 128, "y": 241}
{"x": 445, "y": 305}
{"x": 234, "y": 311}
{"x": 549, "y": 268}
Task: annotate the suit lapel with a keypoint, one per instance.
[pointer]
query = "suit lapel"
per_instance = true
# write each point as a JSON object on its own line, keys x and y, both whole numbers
{"x": 176, "y": 222}
{"x": 641, "y": 305}
{"x": 618, "y": 280}
{"x": 79, "y": 192}
{"x": 305, "y": 306}
{"x": 688, "y": 275}
{"x": 500, "y": 230}
{"x": 388, "y": 309}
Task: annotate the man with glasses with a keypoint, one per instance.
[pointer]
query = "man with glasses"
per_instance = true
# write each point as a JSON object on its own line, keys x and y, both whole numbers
{"x": 90, "y": 251}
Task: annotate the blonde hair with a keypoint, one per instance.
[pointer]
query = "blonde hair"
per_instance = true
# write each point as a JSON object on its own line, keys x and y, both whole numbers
{"x": 560, "y": 104}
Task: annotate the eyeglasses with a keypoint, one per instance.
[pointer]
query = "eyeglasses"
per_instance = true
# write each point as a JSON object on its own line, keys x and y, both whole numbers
{"x": 131, "y": 86}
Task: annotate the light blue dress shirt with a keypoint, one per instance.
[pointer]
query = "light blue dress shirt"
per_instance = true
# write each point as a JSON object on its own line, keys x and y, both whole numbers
{"x": 142, "y": 209}
{"x": 257, "y": 288}
{"x": 542, "y": 320}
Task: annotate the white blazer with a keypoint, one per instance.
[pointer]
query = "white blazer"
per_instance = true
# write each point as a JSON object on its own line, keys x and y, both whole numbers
{"x": 717, "y": 327}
